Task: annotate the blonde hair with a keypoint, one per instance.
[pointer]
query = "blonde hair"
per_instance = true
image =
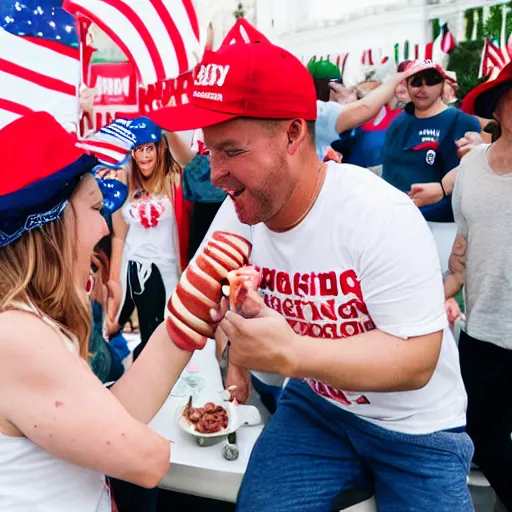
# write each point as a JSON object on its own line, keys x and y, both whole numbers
{"x": 37, "y": 269}
{"x": 165, "y": 173}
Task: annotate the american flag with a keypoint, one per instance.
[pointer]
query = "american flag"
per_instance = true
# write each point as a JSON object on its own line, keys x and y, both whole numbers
{"x": 38, "y": 74}
{"x": 493, "y": 58}
{"x": 496, "y": 55}
{"x": 161, "y": 37}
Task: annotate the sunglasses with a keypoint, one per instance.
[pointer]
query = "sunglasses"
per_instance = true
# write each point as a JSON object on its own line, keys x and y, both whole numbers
{"x": 428, "y": 78}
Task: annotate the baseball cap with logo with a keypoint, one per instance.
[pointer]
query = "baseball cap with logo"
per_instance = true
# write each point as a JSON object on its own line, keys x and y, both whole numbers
{"x": 257, "y": 80}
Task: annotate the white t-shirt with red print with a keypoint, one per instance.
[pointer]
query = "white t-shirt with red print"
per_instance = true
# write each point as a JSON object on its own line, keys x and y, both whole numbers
{"x": 363, "y": 258}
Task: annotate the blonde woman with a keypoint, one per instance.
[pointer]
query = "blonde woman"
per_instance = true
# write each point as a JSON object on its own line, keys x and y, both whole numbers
{"x": 61, "y": 430}
{"x": 149, "y": 234}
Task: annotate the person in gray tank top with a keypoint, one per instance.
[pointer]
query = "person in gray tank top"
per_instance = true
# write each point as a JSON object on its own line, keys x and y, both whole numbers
{"x": 481, "y": 262}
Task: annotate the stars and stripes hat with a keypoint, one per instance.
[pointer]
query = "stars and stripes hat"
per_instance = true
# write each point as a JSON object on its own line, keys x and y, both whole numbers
{"x": 257, "y": 79}
{"x": 112, "y": 144}
{"x": 35, "y": 189}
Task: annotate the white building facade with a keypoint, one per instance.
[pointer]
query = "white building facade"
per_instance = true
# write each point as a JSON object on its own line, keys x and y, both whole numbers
{"x": 321, "y": 27}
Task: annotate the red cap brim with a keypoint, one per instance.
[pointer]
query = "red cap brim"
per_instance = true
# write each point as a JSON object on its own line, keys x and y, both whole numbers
{"x": 187, "y": 117}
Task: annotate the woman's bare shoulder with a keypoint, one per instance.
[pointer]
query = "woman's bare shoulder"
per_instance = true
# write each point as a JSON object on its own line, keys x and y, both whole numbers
{"x": 22, "y": 331}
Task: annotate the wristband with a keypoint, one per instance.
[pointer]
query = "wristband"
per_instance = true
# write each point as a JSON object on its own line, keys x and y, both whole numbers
{"x": 442, "y": 188}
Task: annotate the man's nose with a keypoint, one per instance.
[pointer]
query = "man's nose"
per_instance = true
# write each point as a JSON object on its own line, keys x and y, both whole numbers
{"x": 218, "y": 173}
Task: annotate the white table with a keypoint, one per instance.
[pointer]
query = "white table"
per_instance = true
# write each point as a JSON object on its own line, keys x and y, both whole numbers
{"x": 202, "y": 471}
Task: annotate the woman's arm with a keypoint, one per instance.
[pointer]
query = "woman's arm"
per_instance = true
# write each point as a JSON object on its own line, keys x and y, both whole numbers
{"x": 145, "y": 387}
{"x": 120, "y": 230}
{"x": 179, "y": 149}
{"x": 53, "y": 398}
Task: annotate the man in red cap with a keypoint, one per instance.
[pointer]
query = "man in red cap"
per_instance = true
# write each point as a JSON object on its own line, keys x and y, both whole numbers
{"x": 354, "y": 307}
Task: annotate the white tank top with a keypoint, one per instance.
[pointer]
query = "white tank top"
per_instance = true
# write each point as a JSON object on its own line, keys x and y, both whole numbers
{"x": 151, "y": 238}
{"x": 32, "y": 480}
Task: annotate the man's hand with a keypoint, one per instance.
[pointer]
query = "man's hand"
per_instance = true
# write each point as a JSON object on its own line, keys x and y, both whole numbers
{"x": 265, "y": 343}
{"x": 453, "y": 311}
{"x": 241, "y": 378}
{"x": 467, "y": 143}
{"x": 424, "y": 194}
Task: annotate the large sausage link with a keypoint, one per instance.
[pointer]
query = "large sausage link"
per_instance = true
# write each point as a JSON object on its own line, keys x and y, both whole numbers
{"x": 199, "y": 290}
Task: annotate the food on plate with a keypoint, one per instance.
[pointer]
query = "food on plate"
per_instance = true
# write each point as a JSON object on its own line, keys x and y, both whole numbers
{"x": 209, "y": 419}
{"x": 199, "y": 290}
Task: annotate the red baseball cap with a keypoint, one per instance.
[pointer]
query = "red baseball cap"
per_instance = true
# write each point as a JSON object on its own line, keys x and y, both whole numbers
{"x": 256, "y": 80}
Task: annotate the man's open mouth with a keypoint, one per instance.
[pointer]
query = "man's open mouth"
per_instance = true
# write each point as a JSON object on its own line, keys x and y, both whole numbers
{"x": 236, "y": 193}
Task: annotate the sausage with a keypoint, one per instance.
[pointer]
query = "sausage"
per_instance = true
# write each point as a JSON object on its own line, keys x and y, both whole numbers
{"x": 199, "y": 290}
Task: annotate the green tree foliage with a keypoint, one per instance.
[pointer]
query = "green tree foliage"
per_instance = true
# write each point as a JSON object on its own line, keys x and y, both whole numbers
{"x": 436, "y": 28}
{"x": 470, "y": 23}
{"x": 492, "y": 27}
{"x": 480, "y": 26}
{"x": 465, "y": 61}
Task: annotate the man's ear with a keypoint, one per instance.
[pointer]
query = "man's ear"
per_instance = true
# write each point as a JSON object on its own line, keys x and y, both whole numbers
{"x": 296, "y": 132}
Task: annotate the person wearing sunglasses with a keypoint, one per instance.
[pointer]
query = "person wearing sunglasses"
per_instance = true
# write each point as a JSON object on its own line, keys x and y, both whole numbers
{"x": 420, "y": 144}
{"x": 420, "y": 147}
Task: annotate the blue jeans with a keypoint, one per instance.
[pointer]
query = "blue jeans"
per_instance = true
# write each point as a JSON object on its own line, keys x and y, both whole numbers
{"x": 312, "y": 451}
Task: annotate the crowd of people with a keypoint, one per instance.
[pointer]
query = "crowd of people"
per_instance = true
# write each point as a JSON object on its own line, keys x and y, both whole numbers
{"x": 350, "y": 197}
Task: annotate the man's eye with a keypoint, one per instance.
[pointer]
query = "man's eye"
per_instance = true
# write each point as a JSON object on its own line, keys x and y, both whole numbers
{"x": 234, "y": 152}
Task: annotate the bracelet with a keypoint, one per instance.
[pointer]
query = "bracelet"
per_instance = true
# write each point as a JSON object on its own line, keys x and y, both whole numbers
{"x": 442, "y": 188}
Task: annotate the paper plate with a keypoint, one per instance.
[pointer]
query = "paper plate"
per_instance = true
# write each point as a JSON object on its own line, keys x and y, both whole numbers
{"x": 238, "y": 415}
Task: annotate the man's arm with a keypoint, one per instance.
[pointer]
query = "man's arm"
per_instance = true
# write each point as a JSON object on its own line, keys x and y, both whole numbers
{"x": 456, "y": 276}
{"x": 374, "y": 361}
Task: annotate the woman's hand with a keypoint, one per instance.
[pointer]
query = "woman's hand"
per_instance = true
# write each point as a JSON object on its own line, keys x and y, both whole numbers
{"x": 453, "y": 311}
{"x": 86, "y": 99}
{"x": 424, "y": 194}
{"x": 467, "y": 143}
